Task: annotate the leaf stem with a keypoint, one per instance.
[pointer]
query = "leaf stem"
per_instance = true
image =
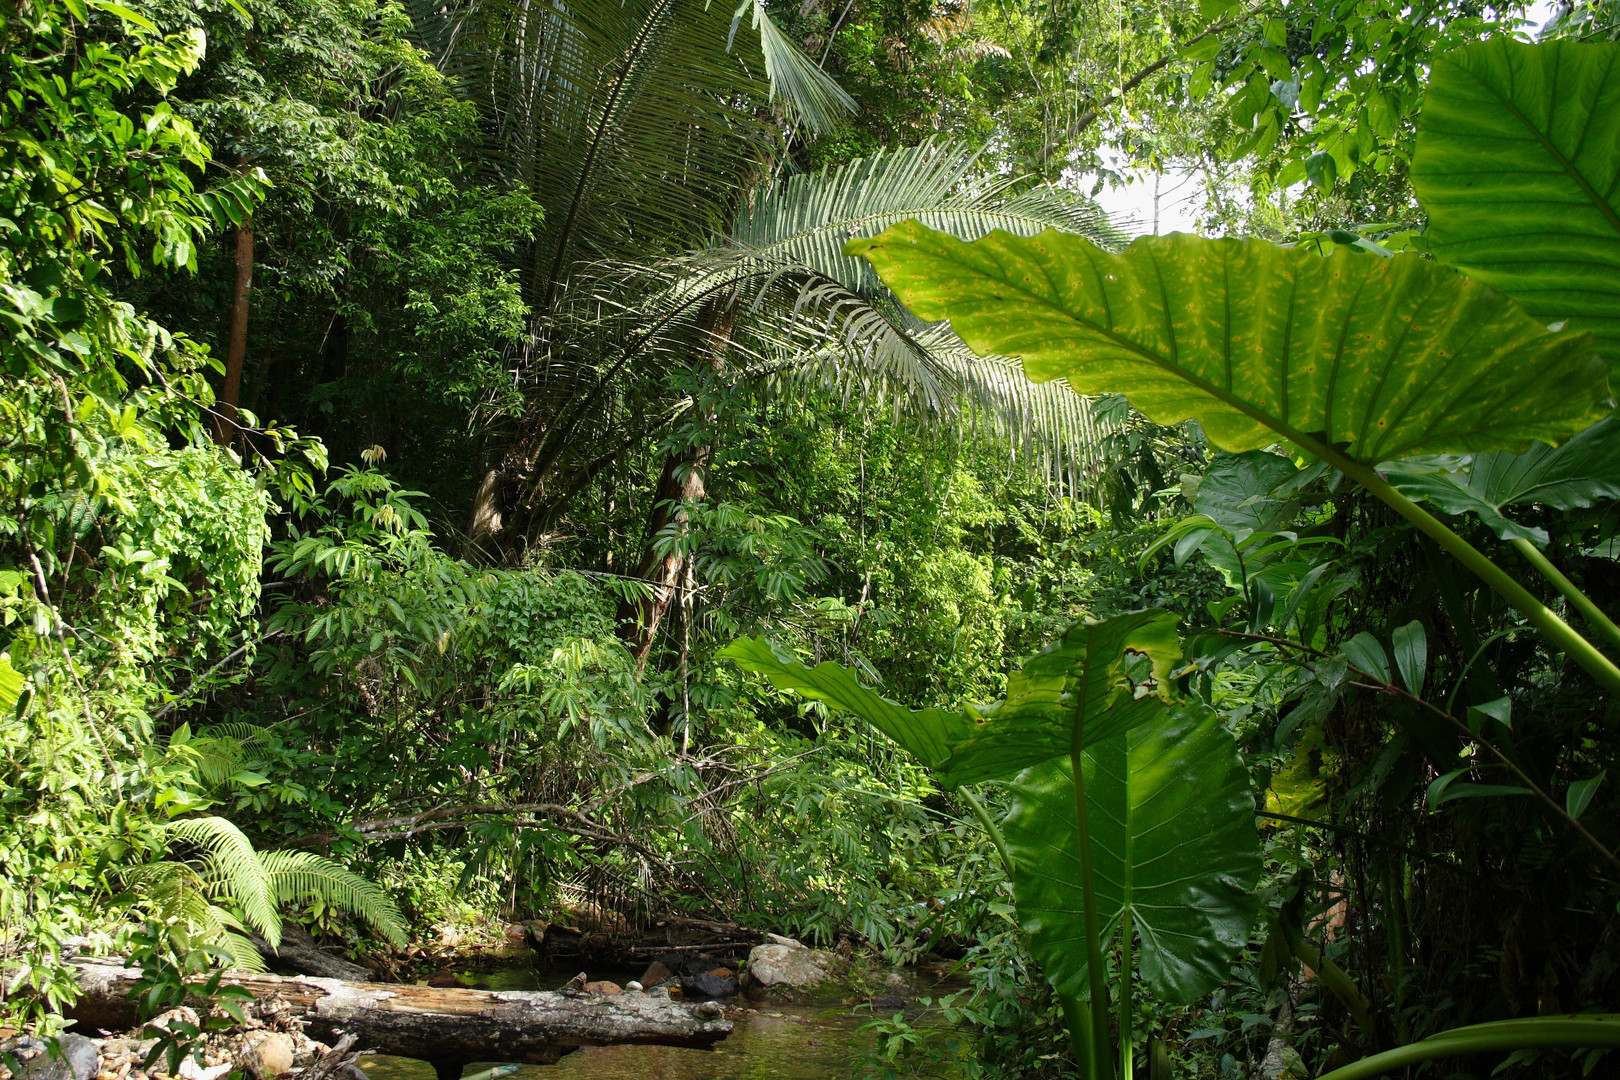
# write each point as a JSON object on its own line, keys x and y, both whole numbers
{"x": 1561, "y": 634}
{"x": 1583, "y": 603}
{"x": 1127, "y": 1063}
{"x": 990, "y": 827}
{"x": 1101, "y": 1063}
{"x": 1539, "y": 1032}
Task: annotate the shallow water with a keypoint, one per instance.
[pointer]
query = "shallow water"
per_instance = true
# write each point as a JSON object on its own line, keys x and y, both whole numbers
{"x": 804, "y": 1042}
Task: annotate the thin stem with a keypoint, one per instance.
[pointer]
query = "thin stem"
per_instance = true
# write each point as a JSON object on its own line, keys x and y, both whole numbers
{"x": 1557, "y": 630}
{"x": 1127, "y": 1064}
{"x": 1524, "y": 778}
{"x": 990, "y": 827}
{"x": 1386, "y": 687}
{"x": 1102, "y": 1066}
{"x": 1583, "y": 603}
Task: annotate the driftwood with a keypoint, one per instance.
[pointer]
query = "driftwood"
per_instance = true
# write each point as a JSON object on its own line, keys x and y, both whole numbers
{"x": 447, "y": 1028}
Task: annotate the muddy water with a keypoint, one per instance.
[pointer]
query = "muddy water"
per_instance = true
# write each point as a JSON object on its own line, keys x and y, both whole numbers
{"x": 800, "y": 1042}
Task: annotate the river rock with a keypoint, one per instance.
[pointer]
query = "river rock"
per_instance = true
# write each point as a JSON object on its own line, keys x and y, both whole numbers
{"x": 785, "y": 968}
{"x": 77, "y": 1058}
{"x": 604, "y": 988}
{"x": 655, "y": 974}
{"x": 709, "y": 985}
{"x": 268, "y": 1056}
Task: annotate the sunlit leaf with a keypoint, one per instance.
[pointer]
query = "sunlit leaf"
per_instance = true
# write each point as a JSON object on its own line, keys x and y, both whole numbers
{"x": 1380, "y": 358}
{"x": 1541, "y": 222}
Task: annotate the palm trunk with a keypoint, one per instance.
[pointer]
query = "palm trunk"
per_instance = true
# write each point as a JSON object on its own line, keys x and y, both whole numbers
{"x": 230, "y": 393}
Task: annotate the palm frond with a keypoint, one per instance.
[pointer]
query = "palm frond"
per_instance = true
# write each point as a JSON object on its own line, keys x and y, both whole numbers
{"x": 812, "y": 97}
{"x": 807, "y": 219}
{"x": 303, "y": 875}
{"x": 630, "y": 122}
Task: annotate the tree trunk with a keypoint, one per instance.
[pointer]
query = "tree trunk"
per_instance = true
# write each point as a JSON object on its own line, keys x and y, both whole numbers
{"x": 680, "y": 482}
{"x": 236, "y": 350}
{"x": 448, "y": 1028}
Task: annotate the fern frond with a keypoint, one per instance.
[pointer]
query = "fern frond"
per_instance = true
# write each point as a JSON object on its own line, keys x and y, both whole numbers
{"x": 236, "y": 868}
{"x": 245, "y": 956}
{"x": 303, "y": 875}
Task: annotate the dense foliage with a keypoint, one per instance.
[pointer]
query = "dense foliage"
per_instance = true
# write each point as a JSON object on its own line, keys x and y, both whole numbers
{"x": 480, "y": 463}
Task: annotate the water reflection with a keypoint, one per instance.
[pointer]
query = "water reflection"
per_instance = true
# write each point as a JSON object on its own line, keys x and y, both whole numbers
{"x": 804, "y": 1043}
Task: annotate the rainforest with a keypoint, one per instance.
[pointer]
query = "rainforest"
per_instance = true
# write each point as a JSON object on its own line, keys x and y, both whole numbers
{"x": 871, "y": 539}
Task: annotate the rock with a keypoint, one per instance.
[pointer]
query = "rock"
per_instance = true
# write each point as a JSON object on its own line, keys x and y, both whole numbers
{"x": 721, "y": 973}
{"x": 709, "y": 985}
{"x": 790, "y": 966}
{"x": 76, "y": 1057}
{"x": 895, "y": 981}
{"x": 190, "y": 1070}
{"x": 268, "y": 1055}
{"x": 633, "y": 985}
{"x": 183, "y": 1015}
{"x": 445, "y": 979}
{"x": 577, "y": 982}
{"x": 778, "y": 939}
{"x": 887, "y": 1003}
{"x": 656, "y": 973}
{"x": 604, "y": 988}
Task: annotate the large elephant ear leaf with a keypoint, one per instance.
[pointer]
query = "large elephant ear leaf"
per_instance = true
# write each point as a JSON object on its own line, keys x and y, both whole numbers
{"x": 1173, "y": 842}
{"x": 1582, "y": 472}
{"x": 1518, "y": 167}
{"x": 1370, "y": 358}
{"x": 1081, "y": 681}
{"x": 926, "y": 733}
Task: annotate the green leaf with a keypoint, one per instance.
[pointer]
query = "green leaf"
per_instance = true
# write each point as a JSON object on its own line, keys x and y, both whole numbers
{"x": 1173, "y": 842}
{"x": 1382, "y": 357}
{"x": 1321, "y": 170}
{"x": 1579, "y": 795}
{"x": 1542, "y": 222}
{"x": 1237, "y": 492}
{"x": 1411, "y": 655}
{"x": 11, "y": 683}
{"x": 1080, "y": 681}
{"x": 1582, "y": 472}
{"x": 1365, "y": 653}
{"x": 926, "y": 733}
{"x": 1444, "y": 789}
{"x": 1500, "y": 710}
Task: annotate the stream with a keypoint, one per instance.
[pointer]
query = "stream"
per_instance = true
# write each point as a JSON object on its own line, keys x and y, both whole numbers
{"x": 809, "y": 1041}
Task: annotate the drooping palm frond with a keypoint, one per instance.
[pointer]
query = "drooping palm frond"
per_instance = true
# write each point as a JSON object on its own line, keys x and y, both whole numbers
{"x": 179, "y": 893}
{"x": 304, "y": 875}
{"x": 811, "y": 96}
{"x": 807, "y": 219}
{"x": 800, "y": 307}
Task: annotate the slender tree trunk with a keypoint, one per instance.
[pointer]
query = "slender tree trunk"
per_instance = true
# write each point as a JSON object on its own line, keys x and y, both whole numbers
{"x": 236, "y": 351}
{"x": 681, "y": 482}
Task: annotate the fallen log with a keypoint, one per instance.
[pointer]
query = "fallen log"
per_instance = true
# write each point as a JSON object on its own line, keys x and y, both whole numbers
{"x": 447, "y": 1028}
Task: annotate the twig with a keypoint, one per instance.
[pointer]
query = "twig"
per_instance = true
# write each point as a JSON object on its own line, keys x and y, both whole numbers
{"x": 1388, "y": 688}
{"x": 1085, "y": 119}
{"x": 232, "y": 655}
